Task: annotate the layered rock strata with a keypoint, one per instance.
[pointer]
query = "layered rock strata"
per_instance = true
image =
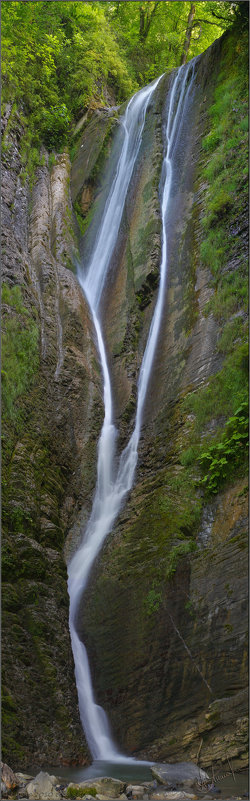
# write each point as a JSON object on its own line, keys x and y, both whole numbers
{"x": 49, "y": 456}
{"x": 165, "y": 632}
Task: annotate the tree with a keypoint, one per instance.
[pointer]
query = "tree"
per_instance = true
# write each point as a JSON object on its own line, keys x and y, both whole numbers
{"x": 146, "y": 17}
{"x": 56, "y": 57}
{"x": 159, "y": 36}
{"x": 188, "y": 34}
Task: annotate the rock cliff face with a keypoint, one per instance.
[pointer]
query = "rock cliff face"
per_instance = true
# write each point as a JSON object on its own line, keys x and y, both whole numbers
{"x": 165, "y": 614}
{"x": 166, "y": 633}
{"x": 47, "y": 431}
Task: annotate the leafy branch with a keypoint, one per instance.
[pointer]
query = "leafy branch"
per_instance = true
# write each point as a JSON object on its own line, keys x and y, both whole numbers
{"x": 219, "y": 459}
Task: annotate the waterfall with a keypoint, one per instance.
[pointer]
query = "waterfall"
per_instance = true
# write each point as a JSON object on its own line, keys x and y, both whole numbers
{"x": 111, "y": 489}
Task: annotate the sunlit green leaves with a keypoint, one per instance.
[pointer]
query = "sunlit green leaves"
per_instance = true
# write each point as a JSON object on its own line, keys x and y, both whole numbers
{"x": 57, "y": 55}
{"x": 20, "y": 350}
{"x": 165, "y": 26}
{"x": 231, "y": 450}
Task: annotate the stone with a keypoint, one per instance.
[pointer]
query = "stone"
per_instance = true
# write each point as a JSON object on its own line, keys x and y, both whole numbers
{"x": 101, "y": 797}
{"x": 22, "y": 792}
{"x": 104, "y": 786}
{"x": 9, "y": 778}
{"x": 180, "y": 773}
{"x": 42, "y": 788}
{"x": 54, "y": 780}
{"x": 171, "y": 795}
{"x": 4, "y": 791}
{"x": 135, "y": 791}
{"x": 24, "y": 777}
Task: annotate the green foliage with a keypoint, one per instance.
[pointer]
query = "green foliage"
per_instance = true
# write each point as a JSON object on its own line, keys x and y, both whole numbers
{"x": 60, "y": 58}
{"x": 52, "y": 161}
{"x": 224, "y": 204}
{"x": 57, "y": 59}
{"x": 226, "y": 169}
{"x": 55, "y": 125}
{"x": 188, "y": 456}
{"x": 231, "y": 295}
{"x": 153, "y": 600}
{"x": 224, "y": 456}
{"x": 219, "y": 202}
{"x": 80, "y": 792}
{"x": 176, "y": 553}
{"x": 180, "y": 505}
{"x": 30, "y": 157}
{"x": 152, "y": 34}
{"x": 20, "y": 351}
{"x": 232, "y": 333}
{"x": 225, "y": 390}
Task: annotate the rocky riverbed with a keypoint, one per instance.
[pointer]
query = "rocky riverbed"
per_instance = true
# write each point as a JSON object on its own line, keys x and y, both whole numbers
{"x": 170, "y": 782}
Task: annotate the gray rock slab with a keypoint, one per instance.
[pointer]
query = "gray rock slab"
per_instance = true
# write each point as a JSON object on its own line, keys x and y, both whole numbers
{"x": 24, "y": 777}
{"x": 8, "y": 777}
{"x": 179, "y": 773}
{"x": 41, "y": 788}
{"x": 172, "y": 795}
{"x": 105, "y": 786}
{"x": 135, "y": 790}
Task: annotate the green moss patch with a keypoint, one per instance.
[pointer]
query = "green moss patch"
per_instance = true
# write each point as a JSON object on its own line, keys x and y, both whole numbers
{"x": 223, "y": 250}
{"x": 80, "y": 792}
{"x": 20, "y": 350}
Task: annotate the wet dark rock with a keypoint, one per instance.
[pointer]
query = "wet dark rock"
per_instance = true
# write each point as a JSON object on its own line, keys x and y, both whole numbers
{"x": 179, "y": 772}
{"x": 48, "y": 477}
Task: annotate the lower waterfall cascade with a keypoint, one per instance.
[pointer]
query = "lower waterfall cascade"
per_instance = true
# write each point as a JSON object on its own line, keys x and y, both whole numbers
{"x": 114, "y": 482}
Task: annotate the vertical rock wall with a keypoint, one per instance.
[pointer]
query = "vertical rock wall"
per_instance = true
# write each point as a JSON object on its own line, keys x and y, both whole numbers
{"x": 165, "y": 614}
{"x": 51, "y": 389}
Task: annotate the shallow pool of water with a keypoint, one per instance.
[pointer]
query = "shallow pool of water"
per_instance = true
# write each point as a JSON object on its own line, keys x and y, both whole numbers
{"x": 233, "y": 789}
{"x": 133, "y": 771}
{"x": 128, "y": 771}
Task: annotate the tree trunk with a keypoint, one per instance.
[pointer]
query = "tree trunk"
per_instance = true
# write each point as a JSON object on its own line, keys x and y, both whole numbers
{"x": 188, "y": 33}
{"x": 145, "y": 20}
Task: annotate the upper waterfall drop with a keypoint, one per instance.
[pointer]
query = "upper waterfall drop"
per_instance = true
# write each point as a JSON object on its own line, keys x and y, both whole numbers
{"x": 111, "y": 490}
{"x": 133, "y": 124}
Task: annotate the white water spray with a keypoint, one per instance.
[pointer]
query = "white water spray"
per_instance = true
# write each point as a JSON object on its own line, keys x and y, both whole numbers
{"x": 110, "y": 490}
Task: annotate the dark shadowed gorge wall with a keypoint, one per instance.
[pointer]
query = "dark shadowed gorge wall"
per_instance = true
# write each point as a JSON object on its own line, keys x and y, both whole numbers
{"x": 165, "y": 614}
{"x": 51, "y": 389}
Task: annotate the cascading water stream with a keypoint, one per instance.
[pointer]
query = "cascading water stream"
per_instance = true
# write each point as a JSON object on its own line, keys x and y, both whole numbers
{"x": 110, "y": 490}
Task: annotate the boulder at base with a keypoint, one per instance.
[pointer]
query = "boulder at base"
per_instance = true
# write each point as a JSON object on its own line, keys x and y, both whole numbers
{"x": 135, "y": 791}
{"x": 167, "y": 795}
{"x": 112, "y": 788}
{"x": 179, "y": 773}
{"x": 8, "y": 777}
{"x": 42, "y": 788}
